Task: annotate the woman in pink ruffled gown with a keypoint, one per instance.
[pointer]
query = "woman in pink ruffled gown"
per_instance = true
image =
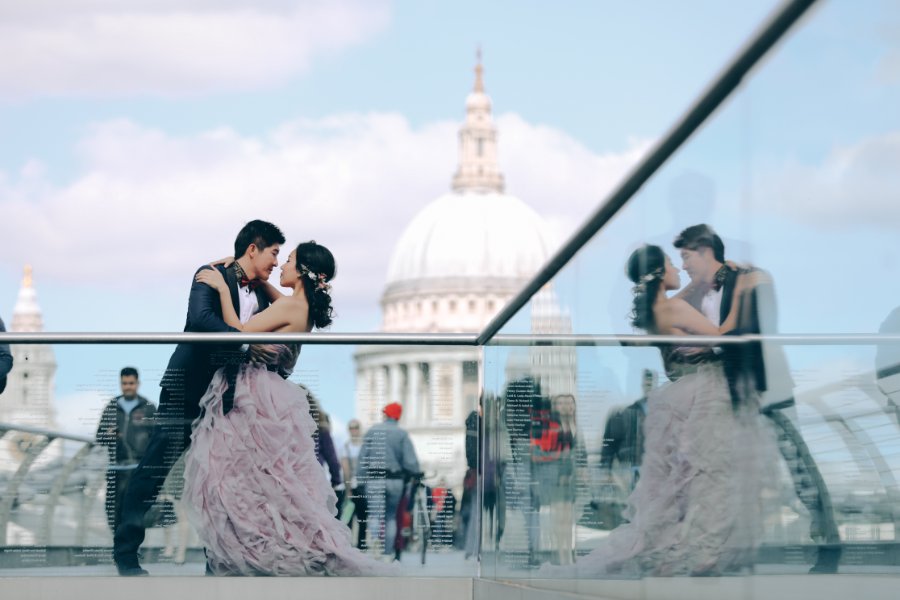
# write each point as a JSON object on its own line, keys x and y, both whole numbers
{"x": 253, "y": 487}
{"x": 696, "y": 507}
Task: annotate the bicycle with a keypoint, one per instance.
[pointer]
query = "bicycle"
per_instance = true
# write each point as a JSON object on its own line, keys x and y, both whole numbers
{"x": 414, "y": 517}
{"x": 421, "y": 517}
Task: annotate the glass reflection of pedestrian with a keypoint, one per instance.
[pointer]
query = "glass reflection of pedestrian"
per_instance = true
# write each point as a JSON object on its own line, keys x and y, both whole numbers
{"x": 623, "y": 438}
{"x": 554, "y": 454}
{"x": 442, "y": 505}
{"x": 325, "y": 452}
{"x": 470, "y": 511}
{"x": 350, "y": 461}
{"x": 520, "y": 401}
{"x": 125, "y": 428}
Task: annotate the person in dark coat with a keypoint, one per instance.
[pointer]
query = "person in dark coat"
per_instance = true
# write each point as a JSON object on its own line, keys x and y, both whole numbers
{"x": 125, "y": 429}
{"x": 6, "y": 360}
{"x": 623, "y": 436}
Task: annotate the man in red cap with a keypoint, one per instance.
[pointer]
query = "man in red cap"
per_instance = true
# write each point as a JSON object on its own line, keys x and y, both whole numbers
{"x": 393, "y": 411}
{"x": 386, "y": 458}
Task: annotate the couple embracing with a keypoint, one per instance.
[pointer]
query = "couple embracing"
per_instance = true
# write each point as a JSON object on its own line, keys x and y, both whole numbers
{"x": 253, "y": 487}
{"x": 696, "y": 508}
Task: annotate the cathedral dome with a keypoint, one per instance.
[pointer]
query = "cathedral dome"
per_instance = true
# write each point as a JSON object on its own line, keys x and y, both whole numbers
{"x": 471, "y": 235}
{"x": 469, "y": 251}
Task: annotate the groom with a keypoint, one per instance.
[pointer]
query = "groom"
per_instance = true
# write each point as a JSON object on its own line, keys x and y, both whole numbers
{"x": 188, "y": 374}
{"x": 761, "y": 368}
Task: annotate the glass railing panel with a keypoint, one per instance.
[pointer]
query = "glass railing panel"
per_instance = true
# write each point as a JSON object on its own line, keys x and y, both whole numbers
{"x": 780, "y": 183}
{"x": 57, "y": 486}
{"x": 827, "y": 494}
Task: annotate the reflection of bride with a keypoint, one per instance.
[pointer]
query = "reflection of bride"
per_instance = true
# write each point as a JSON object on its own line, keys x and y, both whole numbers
{"x": 695, "y": 509}
{"x": 253, "y": 486}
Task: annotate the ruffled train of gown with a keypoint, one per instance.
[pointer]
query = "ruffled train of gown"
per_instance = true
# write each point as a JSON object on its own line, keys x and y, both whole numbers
{"x": 696, "y": 507}
{"x": 256, "y": 493}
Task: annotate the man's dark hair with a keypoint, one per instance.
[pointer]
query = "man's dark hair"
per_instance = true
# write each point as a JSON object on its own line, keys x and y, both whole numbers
{"x": 129, "y": 372}
{"x": 701, "y": 236}
{"x": 261, "y": 233}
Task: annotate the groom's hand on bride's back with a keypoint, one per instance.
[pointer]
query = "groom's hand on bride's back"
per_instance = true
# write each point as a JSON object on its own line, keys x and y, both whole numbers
{"x": 262, "y": 353}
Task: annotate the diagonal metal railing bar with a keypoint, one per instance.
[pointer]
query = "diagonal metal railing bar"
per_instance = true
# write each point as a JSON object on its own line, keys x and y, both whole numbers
{"x": 840, "y": 339}
{"x": 709, "y": 100}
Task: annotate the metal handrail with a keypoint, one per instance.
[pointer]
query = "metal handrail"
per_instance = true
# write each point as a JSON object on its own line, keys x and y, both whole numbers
{"x": 716, "y": 93}
{"x": 9, "y": 496}
{"x": 452, "y": 339}
{"x": 48, "y": 433}
{"x": 323, "y": 338}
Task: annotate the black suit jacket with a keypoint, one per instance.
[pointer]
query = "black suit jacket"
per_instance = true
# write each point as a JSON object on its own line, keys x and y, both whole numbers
{"x": 6, "y": 360}
{"x": 756, "y": 366}
{"x": 623, "y": 437}
{"x": 192, "y": 366}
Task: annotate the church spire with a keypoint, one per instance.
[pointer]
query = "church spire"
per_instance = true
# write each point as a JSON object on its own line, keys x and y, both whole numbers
{"x": 479, "y": 73}
{"x": 27, "y": 315}
{"x": 478, "y": 169}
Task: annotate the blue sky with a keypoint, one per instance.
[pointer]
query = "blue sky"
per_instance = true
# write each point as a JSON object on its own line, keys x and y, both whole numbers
{"x": 138, "y": 139}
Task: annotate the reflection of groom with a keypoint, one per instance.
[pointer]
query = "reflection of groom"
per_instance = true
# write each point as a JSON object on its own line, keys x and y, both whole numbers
{"x": 759, "y": 367}
{"x": 187, "y": 376}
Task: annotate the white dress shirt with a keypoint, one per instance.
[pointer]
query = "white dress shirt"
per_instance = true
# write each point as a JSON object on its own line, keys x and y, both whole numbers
{"x": 249, "y": 303}
{"x": 711, "y": 306}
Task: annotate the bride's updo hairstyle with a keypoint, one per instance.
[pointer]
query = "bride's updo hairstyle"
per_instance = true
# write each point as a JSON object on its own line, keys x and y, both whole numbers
{"x": 646, "y": 269}
{"x": 315, "y": 265}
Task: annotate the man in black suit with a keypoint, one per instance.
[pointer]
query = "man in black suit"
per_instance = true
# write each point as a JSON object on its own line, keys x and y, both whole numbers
{"x": 6, "y": 360}
{"x": 623, "y": 436}
{"x": 759, "y": 368}
{"x": 187, "y": 376}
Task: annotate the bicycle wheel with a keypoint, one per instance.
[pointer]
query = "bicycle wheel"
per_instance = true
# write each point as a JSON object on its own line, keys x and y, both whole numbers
{"x": 423, "y": 523}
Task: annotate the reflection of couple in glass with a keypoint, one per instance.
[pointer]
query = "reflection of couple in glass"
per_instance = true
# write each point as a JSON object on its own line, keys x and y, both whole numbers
{"x": 696, "y": 507}
{"x": 253, "y": 486}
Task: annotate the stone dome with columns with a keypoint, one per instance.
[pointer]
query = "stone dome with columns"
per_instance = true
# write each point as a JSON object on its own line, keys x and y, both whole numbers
{"x": 458, "y": 262}
{"x": 469, "y": 251}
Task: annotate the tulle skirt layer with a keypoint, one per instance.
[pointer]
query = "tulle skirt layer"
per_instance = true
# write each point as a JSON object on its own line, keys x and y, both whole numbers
{"x": 255, "y": 491}
{"x": 696, "y": 508}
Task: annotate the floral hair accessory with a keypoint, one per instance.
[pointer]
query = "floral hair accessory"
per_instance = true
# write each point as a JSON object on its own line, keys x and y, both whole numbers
{"x": 650, "y": 277}
{"x": 319, "y": 278}
{"x": 645, "y": 279}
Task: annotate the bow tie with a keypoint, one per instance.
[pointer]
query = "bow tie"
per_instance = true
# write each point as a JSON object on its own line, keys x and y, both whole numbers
{"x": 719, "y": 279}
{"x": 252, "y": 283}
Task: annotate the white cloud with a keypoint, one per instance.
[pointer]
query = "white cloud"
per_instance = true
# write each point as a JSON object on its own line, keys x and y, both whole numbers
{"x": 169, "y": 47}
{"x": 558, "y": 176}
{"x": 150, "y": 207}
{"x": 856, "y": 184}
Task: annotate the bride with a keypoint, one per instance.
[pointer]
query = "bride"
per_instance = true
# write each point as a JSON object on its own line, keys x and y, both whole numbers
{"x": 695, "y": 509}
{"x": 253, "y": 487}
